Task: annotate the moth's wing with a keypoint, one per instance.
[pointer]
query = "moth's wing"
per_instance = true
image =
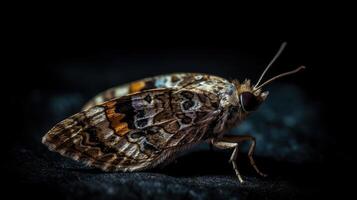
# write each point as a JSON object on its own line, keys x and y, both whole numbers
{"x": 174, "y": 81}
{"x": 136, "y": 131}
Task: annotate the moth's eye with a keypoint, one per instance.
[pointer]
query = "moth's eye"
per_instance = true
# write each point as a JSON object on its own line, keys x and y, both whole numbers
{"x": 249, "y": 101}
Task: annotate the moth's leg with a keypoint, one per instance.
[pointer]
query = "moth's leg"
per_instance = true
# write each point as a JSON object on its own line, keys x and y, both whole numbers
{"x": 235, "y": 139}
{"x": 251, "y": 151}
{"x": 229, "y": 145}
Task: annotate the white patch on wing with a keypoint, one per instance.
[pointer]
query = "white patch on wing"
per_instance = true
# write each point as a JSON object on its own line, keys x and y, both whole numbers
{"x": 123, "y": 146}
{"x": 130, "y": 149}
{"x": 95, "y": 110}
{"x": 133, "y": 150}
{"x": 99, "y": 99}
{"x": 139, "y": 103}
{"x": 198, "y": 77}
{"x": 121, "y": 91}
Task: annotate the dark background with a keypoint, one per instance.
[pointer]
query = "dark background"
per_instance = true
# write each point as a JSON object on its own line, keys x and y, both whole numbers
{"x": 55, "y": 65}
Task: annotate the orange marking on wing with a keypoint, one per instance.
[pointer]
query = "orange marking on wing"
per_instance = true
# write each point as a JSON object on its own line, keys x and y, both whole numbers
{"x": 113, "y": 116}
{"x": 137, "y": 86}
{"x": 121, "y": 128}
{"x": 115, "y": 119}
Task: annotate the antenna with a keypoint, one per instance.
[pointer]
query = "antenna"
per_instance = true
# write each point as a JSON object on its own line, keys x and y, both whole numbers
{"x": 279, "y": 76}
{"x": 282, "y": 47}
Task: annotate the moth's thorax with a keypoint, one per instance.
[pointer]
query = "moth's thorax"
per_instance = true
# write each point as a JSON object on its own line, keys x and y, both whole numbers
{"x": 232, "y": 105}
{"x": 225, "y": 90}
{"x": 228, "y": 112}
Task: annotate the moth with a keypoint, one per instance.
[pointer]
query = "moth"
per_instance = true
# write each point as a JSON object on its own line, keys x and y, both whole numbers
{"x": 145, "y": 123}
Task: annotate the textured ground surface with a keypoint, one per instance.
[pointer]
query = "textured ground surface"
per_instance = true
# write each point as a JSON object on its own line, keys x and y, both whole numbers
{"x": 49, "y": 176}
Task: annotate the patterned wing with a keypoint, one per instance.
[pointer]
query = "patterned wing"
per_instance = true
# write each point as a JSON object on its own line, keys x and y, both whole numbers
{"x": 136, "y": 131}
{"x": 175, "y": 81}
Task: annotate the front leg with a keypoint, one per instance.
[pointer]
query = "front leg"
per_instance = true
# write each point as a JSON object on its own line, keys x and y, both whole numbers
{"x": 232, "y": 141}
{"x": 221, "y": 144}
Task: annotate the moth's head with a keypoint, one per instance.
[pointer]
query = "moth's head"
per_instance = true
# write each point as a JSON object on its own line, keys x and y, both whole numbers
{"x": 249, "y": 98}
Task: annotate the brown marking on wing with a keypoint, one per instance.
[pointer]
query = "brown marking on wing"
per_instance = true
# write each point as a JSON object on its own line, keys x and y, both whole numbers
{"x": 172, "y": 127}
{"x": 174, "y": 78}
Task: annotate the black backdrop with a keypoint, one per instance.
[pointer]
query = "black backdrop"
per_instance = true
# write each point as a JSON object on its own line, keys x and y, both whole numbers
{"x": 56, "y": 66}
